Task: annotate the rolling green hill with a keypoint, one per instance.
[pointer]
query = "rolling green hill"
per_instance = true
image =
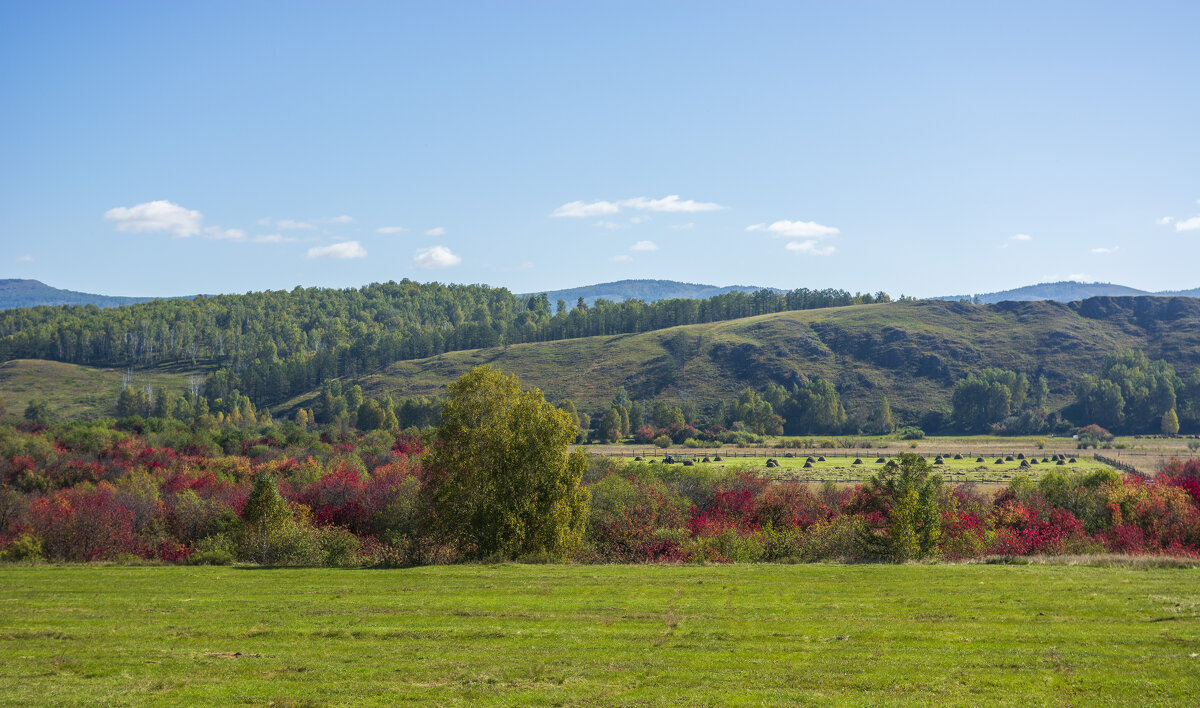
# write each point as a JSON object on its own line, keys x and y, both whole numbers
{"x": 911, "y": 351}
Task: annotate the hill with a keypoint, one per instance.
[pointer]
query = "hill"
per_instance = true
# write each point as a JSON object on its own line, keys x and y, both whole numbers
{"x": 32, "y": 293}
{"x": 73, "y": 391}
{"x": 645, "y": 290}
{"x": 913, "y": 352}
{"x": 1064, "y": 291}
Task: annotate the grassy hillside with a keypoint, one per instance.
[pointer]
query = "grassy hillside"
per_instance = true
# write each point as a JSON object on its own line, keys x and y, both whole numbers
{"x": 911, "y": 351}
{"x": 601, "y": 635}
{"x": 79, "y": 391}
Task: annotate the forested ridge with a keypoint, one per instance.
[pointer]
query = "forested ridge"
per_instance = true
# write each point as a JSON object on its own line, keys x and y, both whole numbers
{"x": 275, "y": 344}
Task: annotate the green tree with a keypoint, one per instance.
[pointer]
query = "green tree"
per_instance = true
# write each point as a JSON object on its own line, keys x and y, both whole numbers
{"x": 266, "y": 518}
{"x": 503, "y": 479}
{"x": 38, "y": 411}
{"x": 883, "y": 418}
{"x": 914, "y": 518}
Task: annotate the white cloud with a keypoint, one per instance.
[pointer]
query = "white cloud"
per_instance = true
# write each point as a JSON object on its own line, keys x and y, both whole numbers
{"x": 669, "y": 203}
{"x": 608, "y": 225}
{"x": 1164, "y": 221}
{"x": 1104, "y": 250}
{"x": 343, "y": 219}
{"x": 390, "y": 230}
{"x": 273, "y": 238}
{"x": 435, "y": 257}
{"x": 292, "y": 224}
{"x": 436, "y": 231}
{"x": 644, "y": 246}
{"x": 1192, "y": 224}
{"x": 221, "y": 234}
{"x": 1020, "y": 237}
{"x": 796, "y": 229}
{"x": 343, "y": 250}
{"x": 810, "y": 248}
{"x": 24, "y": 259}
{"x": 638, "y": 219}
{"x": 621, "y": 258}
{"x": 683, "y": 227}
{"x": 586, "y": 209}
{"x": 157, "y": 216}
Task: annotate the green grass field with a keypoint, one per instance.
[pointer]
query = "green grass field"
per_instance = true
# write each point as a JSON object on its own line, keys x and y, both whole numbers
{"x": 601, "y": 635}
{"x": 837, "y": 467}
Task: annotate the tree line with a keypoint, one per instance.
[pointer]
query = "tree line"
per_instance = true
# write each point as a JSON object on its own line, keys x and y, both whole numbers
{"x": 272, "y": 345}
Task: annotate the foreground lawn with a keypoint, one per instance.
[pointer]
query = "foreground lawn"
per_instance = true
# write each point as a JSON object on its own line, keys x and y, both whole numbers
{"x": 961, "y": 634}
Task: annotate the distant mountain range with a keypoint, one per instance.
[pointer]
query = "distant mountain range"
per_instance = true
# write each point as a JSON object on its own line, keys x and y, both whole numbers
{"x": 646, "y": 290}
{"x": 1064, "y": 291}
{"x": 31, "y": 293}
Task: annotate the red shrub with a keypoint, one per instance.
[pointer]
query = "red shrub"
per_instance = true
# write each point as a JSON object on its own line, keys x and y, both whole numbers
{"x": 84, "y": 524}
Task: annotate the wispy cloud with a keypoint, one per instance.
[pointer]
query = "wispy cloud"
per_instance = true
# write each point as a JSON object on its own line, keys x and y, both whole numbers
{"x": 621, "y": 258}
{"x": 644, "y": 246}
{"x": 274, "y": 238}
{"x": 24, "y": 259}
{"x": 343, "y": 250}
{"x": 683, "y": 227}
{"x": 343, "y": 219}
{"x": 390, "y": 230}
{"x": 1164, "y": 221}
{"x": 1192, "y": 224}
{"x": 294, "y": 225}
{"x": 670, "y": 204}
{"x": 810, "y": 248}
{"x": 1106, "y": 250}
{"x": 611, "y": 225}
{"x": 436, "y": 231}
{"x": 221, "y": 234}
{"x": 583, "y": 210}
{"x": 1020, "y": 237}
{"x": 795, "y": 229}
{"x": 159, "y": 216}
{"x": 435, "y": 257}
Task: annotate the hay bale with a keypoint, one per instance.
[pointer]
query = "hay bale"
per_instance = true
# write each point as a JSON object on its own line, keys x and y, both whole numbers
{"x": 788, "y": 454}
{"x": 637, "y": 459}
{"x": 717, "y": 458}
{"x": 810, "y": 459}
{"x": 958, "y": 457}
{"x": 707, "y": 460}
{"x": 1032, "y": 461}
{"x": 689, "y": 463}
{"x": 1020, "y": 456}
{"x": 1024, "y": 463}
{"x": 821, "y": 458}
{"x": 1009, "y": 458}
{"x": 939, "y": 461}
{"x": 857, "y": 461}
{"x": 808, "y": 464}
{"x": 998, "y": 461}
{"x": 881, "y": 460}
{"x": 1045, "y": 459}
{"x": 1061, "y": 462}
{"x": 1072, "y": 460}
{"x": 979, "y": 459}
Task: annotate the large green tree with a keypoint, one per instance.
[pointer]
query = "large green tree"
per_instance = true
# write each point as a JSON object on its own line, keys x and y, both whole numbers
{"x": 503, "y": 479}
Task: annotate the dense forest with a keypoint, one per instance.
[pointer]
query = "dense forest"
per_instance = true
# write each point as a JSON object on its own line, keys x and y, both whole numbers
{"x": 272, "y": 345}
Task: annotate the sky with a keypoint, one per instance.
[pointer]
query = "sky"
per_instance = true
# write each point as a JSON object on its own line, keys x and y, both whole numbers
{"x": 151, "y": 148}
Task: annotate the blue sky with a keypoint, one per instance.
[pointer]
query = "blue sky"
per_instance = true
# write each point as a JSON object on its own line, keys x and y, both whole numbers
{"x": 920, "y": 148}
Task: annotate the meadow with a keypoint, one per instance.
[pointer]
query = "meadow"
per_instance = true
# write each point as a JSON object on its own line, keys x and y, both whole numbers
{"x": 965, "y": 634}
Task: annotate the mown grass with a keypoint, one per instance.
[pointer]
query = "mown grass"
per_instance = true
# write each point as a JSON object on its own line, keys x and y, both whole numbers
{"x": 601, "y": 635}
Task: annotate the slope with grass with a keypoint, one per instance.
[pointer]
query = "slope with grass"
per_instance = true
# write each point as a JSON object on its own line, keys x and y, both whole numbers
{"x": 601, "y": 635}
{"x": 74, "y": 391}
{"x": 913, "y": 352}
